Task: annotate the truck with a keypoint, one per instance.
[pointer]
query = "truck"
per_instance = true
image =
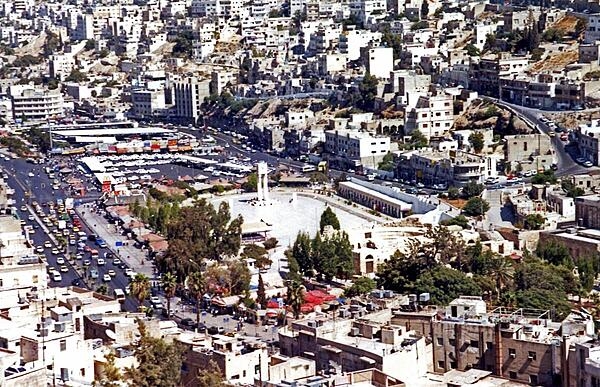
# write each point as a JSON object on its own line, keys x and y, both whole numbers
{"x": 62, "y": 224}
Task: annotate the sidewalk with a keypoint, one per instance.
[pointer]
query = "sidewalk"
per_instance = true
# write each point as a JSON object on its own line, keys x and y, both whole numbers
{"x": 132, "y": 256}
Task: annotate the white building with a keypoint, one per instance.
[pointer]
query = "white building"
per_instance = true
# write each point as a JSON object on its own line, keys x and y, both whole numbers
{"x": 31, "y": 103}
{"x": 433, "y": 116}
{"x": 145, "y": 103}
{"x": 61, "y": 66}
{"x": 380, "y": 62}
{"x": 353, "y": 148}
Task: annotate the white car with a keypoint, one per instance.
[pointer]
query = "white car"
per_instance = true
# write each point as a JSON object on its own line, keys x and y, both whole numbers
{"x": 60, "y": 261}
{"x": 111, "y": 273}
{"x": 106, "y": 278}
{"x": 31, "y": 174}
{"x": 48, "y": 244}
{"x": 101, "y": 262}
{"x": 39, "y": 249}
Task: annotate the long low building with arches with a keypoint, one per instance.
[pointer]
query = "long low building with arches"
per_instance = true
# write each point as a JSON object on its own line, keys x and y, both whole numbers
{"x": 375, "y": 200}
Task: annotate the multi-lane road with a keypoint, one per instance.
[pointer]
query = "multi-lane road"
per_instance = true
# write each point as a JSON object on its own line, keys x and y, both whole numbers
{"x": 40, "y": 187}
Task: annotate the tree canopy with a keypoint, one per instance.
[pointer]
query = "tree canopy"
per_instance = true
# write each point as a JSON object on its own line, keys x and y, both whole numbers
{"x": 329, "y": 218}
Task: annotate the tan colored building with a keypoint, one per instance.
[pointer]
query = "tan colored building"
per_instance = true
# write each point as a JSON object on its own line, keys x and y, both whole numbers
{"x": 531, "y": 151}
{"x": 587, "y": 211}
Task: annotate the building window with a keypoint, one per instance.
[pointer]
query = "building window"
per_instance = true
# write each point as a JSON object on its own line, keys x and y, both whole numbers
{"x": 440, "y": 341}
{"x": 512, "y": 352}
{"x": 35, "y": 279}
{"x": 63, "y": 345}
{"x": 533, "y": 379}
{"x": 441, "y": 364}
{"x": 531, "y": 355}
{"x": 452, "y": 341}
{"x": 488, "y": 345}
{"x": 452, "y": 364}
{"x": 474, "y": 343}
{"x": 512, "y": 375}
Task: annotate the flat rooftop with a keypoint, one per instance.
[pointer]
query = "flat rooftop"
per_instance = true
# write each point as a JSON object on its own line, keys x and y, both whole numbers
{"x": 364, "y": 190}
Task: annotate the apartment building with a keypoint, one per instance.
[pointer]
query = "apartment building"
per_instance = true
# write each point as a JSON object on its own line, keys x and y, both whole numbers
{"x": 521, "y": 345}
{"x": 240, "y": 361}
{"x": 31, "y": 103}
{"x": 542, "y": 91}
{"x": 354, "y": 344}
{"x": 189, "y": 94}
{"x": 147, "y": 103}
{"x": 433, "y": 116}
{"x": 587, "y": 141}
{"x": 379, "y": 61}
{"x": 450, "y": 167}
{"x": 352, "y": 148}
{"x": 485, "y": 74}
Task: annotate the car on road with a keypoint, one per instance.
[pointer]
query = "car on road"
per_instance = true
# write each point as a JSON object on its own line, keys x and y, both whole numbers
{"x": 587, "y": 164}
{"x": 23, "y": 208}
{"x": 86, "y": 262}
{"x": 47, "y": 244}
{"x": 79, "y": 256}
{"x": 111, "y": 273}
{"x": 580, "y": 160}
{"x": 56, "y": 277}
{"x": 31, "y": 218}
{"x": 64, "y": 269}
{"x": 106, "y": 278}
{"x": 60, "y": 261}
{"x": 31, "y": 174}
{"x": 94, "y": 273}
{"x": 76, "y": 282}
{"x": 55, "y": 251}
{"x": 101, "y": 262}
{"x": 39, "y": 249}
{"x": 213, "y": 330}
{"x": 116, "y": 262}
{"x": 186, "y": 322}
{"x": 551, "y": 134}
{"x": 100, "y": 243}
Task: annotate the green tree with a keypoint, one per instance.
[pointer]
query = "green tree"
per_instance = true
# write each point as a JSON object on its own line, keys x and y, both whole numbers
{"x": 329, "y": 218}
{"x": 169, "y": 285}
{"x": 571, "y": 189}
{"x": 475, "y": 206}
{"x": 420, "y": 25}
{"x": 159, "y": 363}
{"x": 472, "y": 50}
{"x": 387, "y": 163}
{"x": 111, "y": 374}
{"x": 418, "y": 139}
{"x": 472, "y": 189}
{"x": 555, "y": 253}
{"x": 90, "y": 44}
{"x": 453, "y": 193}
{"x": 476, "y": 140}
{"x": 445, "y": 284}
{"x": 261, "y": 297}
{"x": 211, "y": 376}
{"x": 459, "y": 220}
{"x": 251, "y": 183}
{"x": 140, "y": 288}
{"x": 301, "y": 251}
{"x": 360, "y": 286}
{"x": 546, "y": 177}
{"x": 295, "y": 297}
{"x": 534, "y": 222}
{"x": 368, "y": 91}
{"x": 258, "y": 254}
{"x": 76, "y": 76}
{"x": 200, "y": 232}
{"x": 270, "y": 243}
{"x": 239, "y": 277}
{"x": 196, "y": 284}
{"x": 500, "y": 270}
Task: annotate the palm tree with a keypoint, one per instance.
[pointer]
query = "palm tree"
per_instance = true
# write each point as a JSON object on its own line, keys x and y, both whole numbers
{"x": 140, "y": 288}
{"x": 502, "y": 272}
{"x": 295, "y": 297}
{"x": 169, "y": 285}
{"x": 196, "y": 284}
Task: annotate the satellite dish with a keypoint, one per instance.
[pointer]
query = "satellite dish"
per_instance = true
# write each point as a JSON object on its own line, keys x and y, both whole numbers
{"x": 111, "y": 335}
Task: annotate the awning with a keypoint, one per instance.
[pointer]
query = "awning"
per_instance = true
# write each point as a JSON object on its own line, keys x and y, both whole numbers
{"x": 367, "y": 360}
{"x": 332, "y": 349}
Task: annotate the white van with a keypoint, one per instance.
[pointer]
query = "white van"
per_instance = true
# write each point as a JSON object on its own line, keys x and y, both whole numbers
{"x": 119, "y": 295}
{"x": 371, "y": 177}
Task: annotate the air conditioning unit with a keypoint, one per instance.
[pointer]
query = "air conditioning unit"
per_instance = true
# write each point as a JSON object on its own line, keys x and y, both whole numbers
{"x": 59, "y": 327}
{"x": 312, "y": 324}
{"x": 513, "y": 355}
{"x": 529, "y": 357}
{"x": 44, "y": 332}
